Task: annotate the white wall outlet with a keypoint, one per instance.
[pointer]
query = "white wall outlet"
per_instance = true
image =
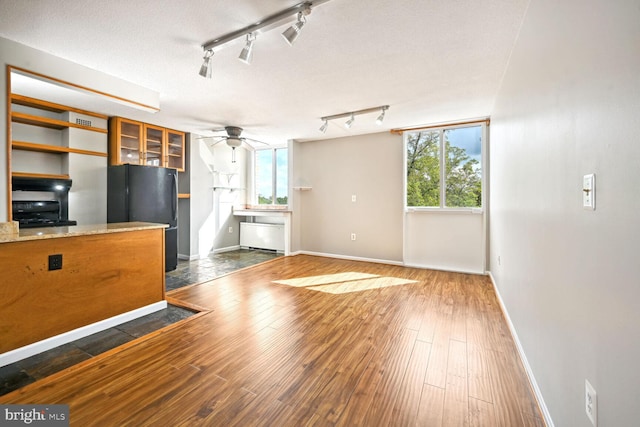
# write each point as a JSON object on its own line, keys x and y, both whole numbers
{"x": 591, "y": 403}
{"x": 589, "y": 192}
{"x": 353, "y": 236}
{"x": 230, "y": 230}
{"x": 353, "y": 198}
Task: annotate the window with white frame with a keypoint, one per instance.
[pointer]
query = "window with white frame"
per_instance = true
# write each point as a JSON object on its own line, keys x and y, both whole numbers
{"x": 271, "y": 176}
{"x": 444, "y": 167}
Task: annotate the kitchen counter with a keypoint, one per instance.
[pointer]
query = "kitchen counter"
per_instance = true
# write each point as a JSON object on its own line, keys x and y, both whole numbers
{"x": 77, "y": 230}
{"x": 63, "y": 283}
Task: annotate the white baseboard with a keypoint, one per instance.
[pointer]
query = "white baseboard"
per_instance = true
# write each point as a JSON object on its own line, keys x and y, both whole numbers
{"x": 523, "y": 357}
{"x": 227, "y": 249}
{"x": 440, "y": 268}
{"x": 188, "y": 257}
{"x": 350, "y": 258}
{"x": 84, "y": 331}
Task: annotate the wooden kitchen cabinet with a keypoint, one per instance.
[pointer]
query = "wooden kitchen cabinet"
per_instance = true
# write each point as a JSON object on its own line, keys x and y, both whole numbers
{"x": 125, "y": 141}
{"x": 175, "y": 150}
{"x": 154, "y": 147}
{"x": 144, "y": 144}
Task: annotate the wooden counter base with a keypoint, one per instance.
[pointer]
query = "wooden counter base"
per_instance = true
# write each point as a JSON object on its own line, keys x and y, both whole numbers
{"x": 102, "y": 275}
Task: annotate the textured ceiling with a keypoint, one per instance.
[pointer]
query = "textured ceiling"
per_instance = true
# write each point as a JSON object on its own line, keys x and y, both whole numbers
{"x": 430, "y": 60}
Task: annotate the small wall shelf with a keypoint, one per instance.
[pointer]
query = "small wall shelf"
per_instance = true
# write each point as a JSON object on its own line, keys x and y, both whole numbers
{"x": 217, "y": 187}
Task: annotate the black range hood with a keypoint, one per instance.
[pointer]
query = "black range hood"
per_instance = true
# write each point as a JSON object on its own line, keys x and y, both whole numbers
{"x": 57, "y": 185}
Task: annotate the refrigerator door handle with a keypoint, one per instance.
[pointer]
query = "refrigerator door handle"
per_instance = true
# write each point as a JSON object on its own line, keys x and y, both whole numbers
{"x": 174, "y": 199}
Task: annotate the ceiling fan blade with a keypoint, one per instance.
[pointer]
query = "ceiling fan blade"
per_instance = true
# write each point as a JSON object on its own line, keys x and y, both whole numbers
{"x": 256, "y": 140}
{"x": 247, "y": 146}
{"x": 220, "y": 139}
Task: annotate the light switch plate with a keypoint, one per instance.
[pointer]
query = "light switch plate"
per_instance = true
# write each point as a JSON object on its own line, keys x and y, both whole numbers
{"x": 591, "y": 403}
{"x": 589, "y": 192}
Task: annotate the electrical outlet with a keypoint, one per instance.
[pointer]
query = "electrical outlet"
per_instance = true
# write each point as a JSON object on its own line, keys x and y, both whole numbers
{"x": 591, "y": 403}
{"x": 353, "y": 198}
{"x": 230, "y": 230}
{"x": 55, "y": 262}
{"x": 353, "y": 236}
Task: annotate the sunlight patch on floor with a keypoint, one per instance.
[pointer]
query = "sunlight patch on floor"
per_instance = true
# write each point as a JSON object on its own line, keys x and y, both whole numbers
{"x": 342, "y": 283}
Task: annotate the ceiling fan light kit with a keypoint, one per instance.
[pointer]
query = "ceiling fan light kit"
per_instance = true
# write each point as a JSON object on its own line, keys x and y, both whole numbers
{"x": 234, "y": 140}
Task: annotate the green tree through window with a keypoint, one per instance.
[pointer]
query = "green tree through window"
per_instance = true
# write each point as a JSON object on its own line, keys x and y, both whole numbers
{"x": 460, "y": 186}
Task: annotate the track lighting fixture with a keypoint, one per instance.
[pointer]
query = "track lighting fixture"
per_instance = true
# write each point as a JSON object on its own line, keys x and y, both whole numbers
{"x": 349, "y": 122}
{"x": 247, "y": 51}
{"x": 205, "y": 69}
{"x": 291, "y": 34}
{"x": 380, "y": 118}
{"x": 352, "y": 114}
{"x": 301, "y": 10}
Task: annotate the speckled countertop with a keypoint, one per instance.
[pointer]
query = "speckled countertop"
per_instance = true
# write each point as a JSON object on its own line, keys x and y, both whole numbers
{"x": 77, "y": 230}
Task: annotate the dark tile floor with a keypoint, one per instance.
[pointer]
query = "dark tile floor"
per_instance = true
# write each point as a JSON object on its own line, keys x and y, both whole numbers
{"x": 29, "y": 370}
{"x": 215, "y": 265}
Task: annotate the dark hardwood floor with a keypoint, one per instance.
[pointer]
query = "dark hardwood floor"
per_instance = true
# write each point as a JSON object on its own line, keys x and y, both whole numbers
{"x": 334, "y": 343}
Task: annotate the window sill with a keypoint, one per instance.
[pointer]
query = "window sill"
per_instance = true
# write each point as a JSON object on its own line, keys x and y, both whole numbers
{"x": 467, "y": 211}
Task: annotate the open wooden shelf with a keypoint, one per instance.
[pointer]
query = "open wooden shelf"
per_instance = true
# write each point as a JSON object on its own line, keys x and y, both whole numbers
{"x": 45, "y": 148}
{"x": 38, "y": 175}
{"x": 46, "y": 122}
{"x": 50, "y": 106}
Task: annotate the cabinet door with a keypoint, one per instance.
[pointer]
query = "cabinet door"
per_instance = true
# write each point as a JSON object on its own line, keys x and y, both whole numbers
{"x": 153, "y": 149}
{"x": 175, "y": 150}
{"x": 129, "y": 141}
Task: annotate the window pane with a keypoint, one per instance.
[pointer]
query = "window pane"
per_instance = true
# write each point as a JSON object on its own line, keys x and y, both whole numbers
{"x": 282, "y": 177}
{"x": 264, "y": 176}
{"x": 423, "y": 169}
{"x": 463, "y": 167}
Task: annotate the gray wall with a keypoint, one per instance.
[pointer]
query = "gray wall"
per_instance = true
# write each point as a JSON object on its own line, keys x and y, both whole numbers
{"x": 569, "y": 106}
{"x": 368, "y": 166}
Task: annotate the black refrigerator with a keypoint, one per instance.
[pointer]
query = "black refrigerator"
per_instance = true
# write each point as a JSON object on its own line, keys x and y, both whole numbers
{"x": 148, "y": 194}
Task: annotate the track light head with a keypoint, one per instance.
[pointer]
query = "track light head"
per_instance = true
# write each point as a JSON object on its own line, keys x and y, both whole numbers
{"x": 205, "y": 69}
{"x": 247, "y": 51}
{"x": 349, "y": 122}
{"x": 324, "y": 126}
{"x": 380, "y": 118}
{"x": 291, "y": 34}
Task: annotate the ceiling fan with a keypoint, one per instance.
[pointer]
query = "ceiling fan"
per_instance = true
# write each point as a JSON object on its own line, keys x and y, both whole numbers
{"x": 234, "y": 140}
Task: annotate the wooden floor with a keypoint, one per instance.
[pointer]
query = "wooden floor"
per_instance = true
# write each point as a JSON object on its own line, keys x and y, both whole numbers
{"x": 353, "y": 343}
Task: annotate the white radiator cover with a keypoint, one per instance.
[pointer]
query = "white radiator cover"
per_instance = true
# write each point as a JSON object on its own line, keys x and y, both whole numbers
{"x": 262, "y": 236}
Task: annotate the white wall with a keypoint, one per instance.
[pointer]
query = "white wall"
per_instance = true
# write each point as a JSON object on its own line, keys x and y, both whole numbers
{"x": 569, "y": 106}
{"x": 367, "y": 166}
{"x": 445, "y": 240}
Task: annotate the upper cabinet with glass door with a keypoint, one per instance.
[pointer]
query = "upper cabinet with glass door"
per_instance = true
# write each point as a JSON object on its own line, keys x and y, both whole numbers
{"x": 125, "y": 141}
{"x": 154, "y": 146}
{"x": 144, "y": 144}
{"x": 175, "y": 150}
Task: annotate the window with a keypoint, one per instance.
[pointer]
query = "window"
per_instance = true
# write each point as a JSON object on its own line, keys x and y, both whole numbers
{"x": 271, "y": 176}
{"x": 444, "y": 167}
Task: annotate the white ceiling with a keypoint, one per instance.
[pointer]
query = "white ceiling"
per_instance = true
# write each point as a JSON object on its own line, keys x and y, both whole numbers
{"x": 431, "y": 60}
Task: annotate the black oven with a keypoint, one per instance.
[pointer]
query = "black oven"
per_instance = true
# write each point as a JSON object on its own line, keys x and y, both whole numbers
{"x": 39, "y": 213}
{"x": 41, "y": 202}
